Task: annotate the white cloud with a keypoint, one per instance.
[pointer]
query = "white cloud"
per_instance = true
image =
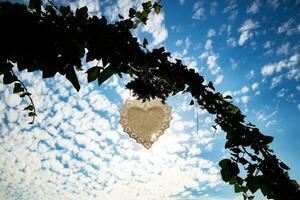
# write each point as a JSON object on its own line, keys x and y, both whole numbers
{"x": 245, "y": 31}
{"x": 232, "y": 10}
{"x": 267, "y": 44}
{"x": 211, "y": 61}
{"x": 299, "y": 106}
{"x": 283, "y": 49}
{"x": 275, "y": 81}
{"x": 281, "y": 93}
{"x": 265, "y": 117}
{"x": 231, "y": 42}
{"x": 181, "y": 2}
{"x": 273, "y": 3}
{"x": 244, "y": 90}
{"x": 211, "y": 32}
{"x": 199, "y": 11}
{"x": 289, "y": 27}
{"x": 294, "y": 73}
{"x": 254, "y": 7}
{"x": 254, "y": 86}
{"x": 270, "y": 123}
{"x": 233, "y": 63}
{"x": 271, "y": 68}
{"x": 179, "y": 43}
{"x": 219, "y": 80}
{"x": 245, "y": 99}
{"x": 213, "y": 8}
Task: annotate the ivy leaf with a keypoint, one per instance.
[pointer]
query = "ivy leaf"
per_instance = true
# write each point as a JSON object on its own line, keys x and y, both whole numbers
{"x": 253, "y": 182}
{"x": 145, "y": 42}
{"x": 147, "y": 5}
{"x": 31, "y": 114}
{"x": 210, "y": 85}
{"x": 238, "y": 188}
{"x": 106, "y": 73}
{"x": 72, "y": 77}
{"x": 284, "y": 166}
{"x": 93, "y": 73}
{"x": 9, "y": 78}
{"x": 157, "y": 8}
{"x": 132, "y": 12}
{"x": 229, "y": 169}
{"x": 82, "y": 13}
{"x": 29, "y": 107}
{"x": 228, "y": 97}
{"x": 65, "y": 10}
{"x": 23, "y": 94}
{"x": 35, "y": 5}
{"x": 192, "y": 102}
{"x": 267, "y": 139}
{"x": 18, "y": 88}
{"x": 135, "y": 24}
{"x": 139, "y": 15}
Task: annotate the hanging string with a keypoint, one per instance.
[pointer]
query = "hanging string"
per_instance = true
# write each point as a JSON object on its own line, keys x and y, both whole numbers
{"x": 197, "y": 114}
{"x": 129, "y": 95}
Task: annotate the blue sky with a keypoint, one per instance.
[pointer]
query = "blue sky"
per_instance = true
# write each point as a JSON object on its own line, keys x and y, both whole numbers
{"x": 77, "y": 149}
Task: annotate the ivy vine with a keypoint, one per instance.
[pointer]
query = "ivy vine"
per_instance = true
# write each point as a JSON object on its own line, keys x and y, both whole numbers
{"x": 54, "y": 40}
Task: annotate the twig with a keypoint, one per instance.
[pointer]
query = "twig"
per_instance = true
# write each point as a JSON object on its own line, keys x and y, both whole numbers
{"x": 28, "y": 95}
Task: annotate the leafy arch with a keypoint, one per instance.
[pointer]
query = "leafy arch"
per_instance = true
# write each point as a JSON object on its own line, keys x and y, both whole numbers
{"x": 54, "y": 39}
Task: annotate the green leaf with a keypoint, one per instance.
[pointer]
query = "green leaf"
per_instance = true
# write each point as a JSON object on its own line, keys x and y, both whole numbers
{"x": 82, "y": 13}
{"x": 23, "y": 94}
{"x": 284, "y": 166}
{"x": 18, "y": 88}
{"x": 139, "y": 15}
{"x": 29, "y": 107}
{"x": 192, "y": 102}
{"x": 72, "y": 77}
{"x": 157, "y": 8}
{"x": 93, "y": 73}
{"x": 228, "y": 97}
{"x": 243, "y": 161}
{"x": 146, "y": 5}
{"x": 135, "y": 24}
{"x": 31, "y": 114}
{"x": 229, "y": 169}
{"x": 224, "y": 163}
{"x": 238, "y": 188}
{"x": 35, "y": 4}
{"x": 210, "y": 85}
{"x": 253, "y": 182}
{"x": 8, "y": 78}
{"x": 267, "y": 139}
{"x": 106, "y": 73}
{"x": 132, "y": 12}
{"x": 78, "y": 68}
{"x": 145, "y": 42}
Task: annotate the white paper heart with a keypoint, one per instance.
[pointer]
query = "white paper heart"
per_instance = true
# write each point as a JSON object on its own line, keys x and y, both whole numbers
{"x": 145, "y": 121}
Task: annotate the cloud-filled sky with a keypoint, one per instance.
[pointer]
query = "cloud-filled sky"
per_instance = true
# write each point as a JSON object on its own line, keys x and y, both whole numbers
{"x": 77, "y": 150}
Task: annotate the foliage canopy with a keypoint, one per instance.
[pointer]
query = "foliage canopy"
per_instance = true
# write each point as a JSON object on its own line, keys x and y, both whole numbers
{"x": 54, "y": 40}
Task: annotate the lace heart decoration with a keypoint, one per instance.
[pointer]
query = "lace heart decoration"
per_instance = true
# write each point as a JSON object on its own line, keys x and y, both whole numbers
{"x": 145, "y": 121}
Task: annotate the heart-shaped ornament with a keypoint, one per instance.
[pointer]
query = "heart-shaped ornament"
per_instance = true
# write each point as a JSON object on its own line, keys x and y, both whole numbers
{"x": 145, "y": 121}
